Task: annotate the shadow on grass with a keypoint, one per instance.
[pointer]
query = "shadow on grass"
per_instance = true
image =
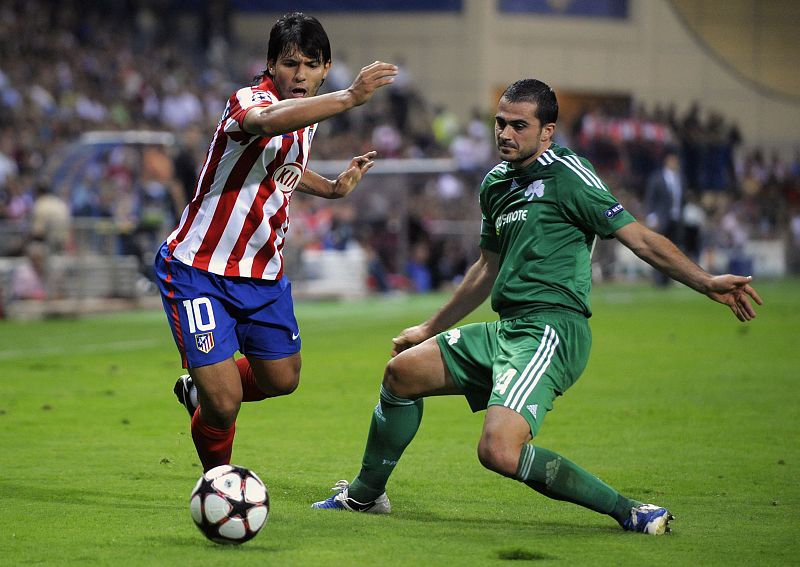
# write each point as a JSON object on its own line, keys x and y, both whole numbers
{"x": 300, "y": 493}
{"x": 537, "y": 525}
{"x": 202, "y": 545}
{"x": 523, "y": 555}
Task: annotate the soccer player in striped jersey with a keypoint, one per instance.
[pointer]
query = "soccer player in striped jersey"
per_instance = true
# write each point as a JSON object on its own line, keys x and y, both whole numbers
{"x": 221, "y": 272}
{"x": 543, "y": 208}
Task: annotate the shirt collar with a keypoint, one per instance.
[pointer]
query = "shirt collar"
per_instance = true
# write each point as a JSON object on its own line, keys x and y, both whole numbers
{"x": 268, "y": 85}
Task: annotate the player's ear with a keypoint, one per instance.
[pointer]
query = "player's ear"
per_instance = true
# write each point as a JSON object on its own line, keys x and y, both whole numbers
{"x": 548, "y": 131}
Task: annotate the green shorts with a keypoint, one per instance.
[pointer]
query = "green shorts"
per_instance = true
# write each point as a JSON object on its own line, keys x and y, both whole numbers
{"x": 522, "y": 364}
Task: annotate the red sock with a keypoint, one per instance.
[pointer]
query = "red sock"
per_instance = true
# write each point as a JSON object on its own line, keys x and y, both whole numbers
{"x": 214, "y": 446}
{"x": 250, "y": 390}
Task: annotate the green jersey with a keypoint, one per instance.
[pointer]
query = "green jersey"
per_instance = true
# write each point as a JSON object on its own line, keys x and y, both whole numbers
{"x": 543, "y": 221}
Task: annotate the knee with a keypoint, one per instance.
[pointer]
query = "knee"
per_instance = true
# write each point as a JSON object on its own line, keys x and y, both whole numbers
{"x": 394, "y": 378}
{"x": 498, "y": 456}
{"x": 285, "y": 383}
{"x": 220, "y": 411}
{"x": 279, "y": 380}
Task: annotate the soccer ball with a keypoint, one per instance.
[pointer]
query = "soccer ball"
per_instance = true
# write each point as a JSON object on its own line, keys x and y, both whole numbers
{"x": 229, "y": 504}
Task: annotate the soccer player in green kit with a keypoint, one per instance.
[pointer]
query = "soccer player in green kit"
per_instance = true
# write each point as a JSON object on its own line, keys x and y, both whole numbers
{"x": 543, "y": 207}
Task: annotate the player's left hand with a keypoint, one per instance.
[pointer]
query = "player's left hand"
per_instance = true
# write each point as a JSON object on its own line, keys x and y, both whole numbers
{"x": 735, "y": 292}
{"x": 410, "y": 337}
{"x": 350, "y": 177}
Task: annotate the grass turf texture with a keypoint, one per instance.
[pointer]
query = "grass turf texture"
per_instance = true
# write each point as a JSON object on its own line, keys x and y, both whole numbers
{"x": 681, "y": 405}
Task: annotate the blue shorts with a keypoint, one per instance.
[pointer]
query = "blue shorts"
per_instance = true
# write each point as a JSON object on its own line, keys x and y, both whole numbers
{"x": 213, "y": 316}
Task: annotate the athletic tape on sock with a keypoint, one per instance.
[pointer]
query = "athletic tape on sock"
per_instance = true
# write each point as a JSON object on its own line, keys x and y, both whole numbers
{"x": 389, "y": 398}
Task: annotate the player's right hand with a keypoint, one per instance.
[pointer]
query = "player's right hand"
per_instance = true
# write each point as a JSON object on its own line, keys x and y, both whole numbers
{"x": 408, "y": 338}
{"x": 733, "y": 291}
{"x": 371, "y": 78}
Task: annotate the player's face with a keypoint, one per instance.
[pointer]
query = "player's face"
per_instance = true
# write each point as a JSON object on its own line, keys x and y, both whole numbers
{"x": 519, "y": 135}
{"x": 297, "y": 76}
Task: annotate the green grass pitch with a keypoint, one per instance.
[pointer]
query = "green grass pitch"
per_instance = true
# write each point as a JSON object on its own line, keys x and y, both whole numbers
{"x": 681, "y": 405}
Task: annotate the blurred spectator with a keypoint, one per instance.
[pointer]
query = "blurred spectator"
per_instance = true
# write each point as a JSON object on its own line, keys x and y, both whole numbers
{"x": 714, "y": 164}
{"x": 417, "y": 268}
{"x": 449, "y": 187}
{"x": 400, "y": 95}
{"x": 794, "y": 168}
{"x": 340, "y": 77}
{"x": 180, "y": 107}
{"x": 342, "y": 231}
{"x": 50, "y": 219}
{"x": 445, "y": 126}
{"x": 753, "y": 174}
{"x": 736, "y": 232}
{"x": 664, "y": 197}
{"x": 18, "y": 198}
{"x": 473, "y": 148}
{"x": 28, "y": 279}
{"x": 8, "y": 165}
{"x": 664, "y": 204}
{"x": 453, "y": 259}
{"x": 187, "y": 163}
{"x": 387, "y": 140}
{"x": 692, "y": 138}
{"x": 377, "y": 274}
{"x": 793, "y": 239}
{"x": 694, "y": 220}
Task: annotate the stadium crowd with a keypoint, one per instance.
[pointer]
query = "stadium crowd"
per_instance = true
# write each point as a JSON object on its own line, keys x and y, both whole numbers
{"x": 71, "y": 67}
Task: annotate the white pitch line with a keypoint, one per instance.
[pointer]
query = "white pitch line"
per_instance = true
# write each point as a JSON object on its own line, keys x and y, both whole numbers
{"x": 81, "y": 349}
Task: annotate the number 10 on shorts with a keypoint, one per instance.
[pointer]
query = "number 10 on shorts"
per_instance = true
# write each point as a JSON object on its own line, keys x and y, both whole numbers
{"x": 199, "y": 314}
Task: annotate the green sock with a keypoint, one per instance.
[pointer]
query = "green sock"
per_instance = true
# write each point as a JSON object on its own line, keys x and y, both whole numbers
{"x": 395, "y": 421}
{"x": 560, "y": 479}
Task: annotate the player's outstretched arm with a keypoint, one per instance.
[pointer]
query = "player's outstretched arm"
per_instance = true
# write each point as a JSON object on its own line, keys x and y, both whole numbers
{"x": 470, "y": 293}
{"x": 314, "y": 184}
{"x": 292, "y": 114}
{"x": 662, "y": 254}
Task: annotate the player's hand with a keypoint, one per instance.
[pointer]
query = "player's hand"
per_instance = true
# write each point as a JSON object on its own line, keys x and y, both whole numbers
{"x": 349, "y": 178}
{"x": 371, "y": 78}
{"x": 736, "y": 293}
{"x": 410, "y": 337}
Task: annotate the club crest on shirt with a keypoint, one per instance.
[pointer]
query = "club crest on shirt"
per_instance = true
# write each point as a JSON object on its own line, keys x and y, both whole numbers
{"x": 287, "y": 176}
{"x": 205, "y": 342}
{"x": 535, "y": 189}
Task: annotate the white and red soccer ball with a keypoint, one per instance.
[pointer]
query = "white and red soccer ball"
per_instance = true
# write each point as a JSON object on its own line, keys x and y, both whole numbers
{"x": 229, "y": 504}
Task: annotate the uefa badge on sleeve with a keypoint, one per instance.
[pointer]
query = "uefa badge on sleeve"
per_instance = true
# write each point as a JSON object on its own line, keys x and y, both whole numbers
{"x": 205, "y": 342}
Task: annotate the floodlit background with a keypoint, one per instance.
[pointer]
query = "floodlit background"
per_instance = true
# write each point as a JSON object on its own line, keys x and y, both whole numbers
{"x": 106, "y": 109}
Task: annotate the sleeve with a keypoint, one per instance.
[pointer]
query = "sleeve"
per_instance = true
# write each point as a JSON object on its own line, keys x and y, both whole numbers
{"x": 488, "y": 235}
{"x": 488, "y": 240}
{"x": 246, "y": 98}
{"x": 587, "y": 202}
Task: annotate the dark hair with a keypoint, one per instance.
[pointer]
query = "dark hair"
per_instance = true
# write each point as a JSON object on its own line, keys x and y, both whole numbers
{"x": 301, "y": 31}
{"x": 533, "y": 90}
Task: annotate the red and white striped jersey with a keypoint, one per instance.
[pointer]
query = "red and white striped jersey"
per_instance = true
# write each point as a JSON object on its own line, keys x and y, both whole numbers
{"x": 237, "y": 221}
